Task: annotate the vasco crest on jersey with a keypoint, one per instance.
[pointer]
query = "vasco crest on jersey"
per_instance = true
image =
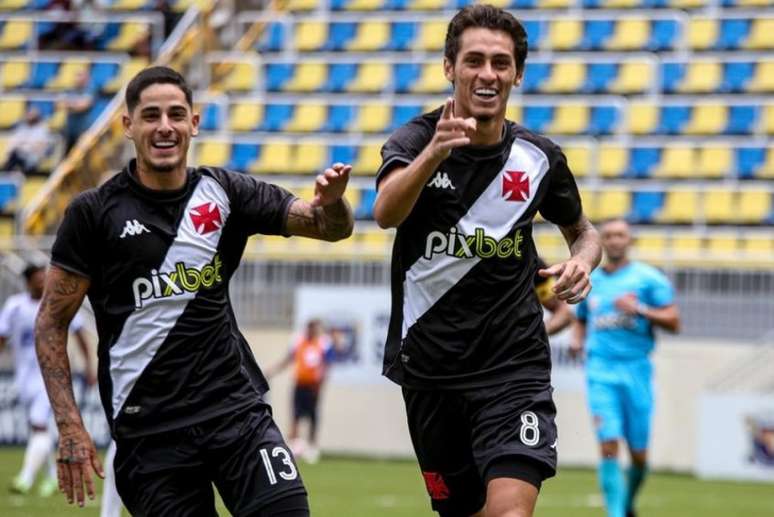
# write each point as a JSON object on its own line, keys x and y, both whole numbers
{"x": 206, "y": 218}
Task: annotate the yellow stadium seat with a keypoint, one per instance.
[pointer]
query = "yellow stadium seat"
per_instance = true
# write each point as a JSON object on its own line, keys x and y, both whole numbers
{"x": 707, "y": 119}
{"x": 630, "y": 34}
{"x": 301, "y": 5}
{"x": 676, "y": 162}
{"x": 719, "y": 206}
{"x": 687, "y": 247}
{"x": 687, "y": 4}
{"x": 513, "y": 112}
{"x": 722, "y": 247}
{"x": 566, "y": 77}
{"x": 758, "y": 246}
{"x": 650, "y": 244}
{"x": 763, "y": 80}
{"x": 432, "y": 35}
{"x": 30, "y": 188}
{"x": 129, "y": 35}
{"x": 761, "y": 34}
{"x": 3, "y": 145}
{"x": 309, "y": 157}
{"x": 353, "y": 195}
{"x": 14, "y": 74}
{"x": 431, "y": 80}
{"x": 549, "y": 244}
{"x": 369, "y": 159}
{"x": 15, "y": 34}
{"x": 371, "y": 77}
{"x": 768, "y": 119}
{"x": 633, "y": 77}
{"x": 564, "y": 34}
{"x": 370, "y": 36}
{"x": 306, "y": 193}
{"x": 308, "y": 77}
{"x": 11, "y": 111}
{"x": 753, "y": 3}
{"x": 373, "y": 117}
{"x": 363, "y": 5}
{"x": 241, "y": 77}
{"x": 308, "y": 117}
{"x": 14, "y": 4}
{"x": 128, "y": 5}
{"x": 7, "y": 228}
{"x": 427, "y": 5}
{"x": 246, "y": 116}
{"x": 57, "y": 120}
{"x": 551, "y": 4}
{"x": 619, "y": 4}
{"x": 569, "y": 119}
{"x": 128, "y": 70}
{"x": 214, "y": 153}
{"x": 613, "y": 160}
{"x": 310, "y": 35}
{"x": 702, "y": 33}
{"x": 578, "y": 159}
{"x": 714, "y": 162}
{"x": 701, "y": 77}
{"x": 589, "y": 203}
{"x": 613, "y": 203}
{"x": 67, "y": 75}
{"x": 643, "y": 118}
{"x": 680, "y": 206}
{"x": 767, "y": 169}
{"x": 753, "y": 206}
{"x": 274, "y": 158}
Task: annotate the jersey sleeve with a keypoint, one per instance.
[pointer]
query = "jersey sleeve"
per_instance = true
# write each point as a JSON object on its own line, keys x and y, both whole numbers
{"x": 404, "y": 145}
{"x": 260, "y": 207}
{"x": 660, "y": 292}
{"x": 75, "y": 246}
{"x": 562, "y": 203}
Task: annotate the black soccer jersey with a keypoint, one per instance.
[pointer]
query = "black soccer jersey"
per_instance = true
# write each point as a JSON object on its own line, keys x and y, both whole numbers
{"x": 464, "y": 309}
{"x": 170, "y": 353}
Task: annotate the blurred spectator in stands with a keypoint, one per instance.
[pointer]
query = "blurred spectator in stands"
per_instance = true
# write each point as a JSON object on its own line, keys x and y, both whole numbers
{"x": 29, "y": 144}
{"x": 78, "y": 104}
{"x": 170, "y": 16}
{"x": 74, "y": 28}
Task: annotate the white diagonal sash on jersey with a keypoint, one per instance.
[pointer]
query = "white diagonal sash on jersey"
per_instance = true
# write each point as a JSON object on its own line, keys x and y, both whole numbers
{"x": 429, "y": 279}
{"x": 146, "y": 328}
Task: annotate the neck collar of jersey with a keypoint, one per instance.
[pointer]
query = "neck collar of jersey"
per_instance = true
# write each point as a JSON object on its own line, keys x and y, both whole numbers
{"x": 166, "y": 195}
{"x": 480, "y": 152}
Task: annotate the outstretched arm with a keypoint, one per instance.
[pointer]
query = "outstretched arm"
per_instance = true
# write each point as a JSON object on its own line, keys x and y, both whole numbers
{"x": 328, "y": 216}
{"x": 573, "y": 284}
{"x": 63, "y": 295}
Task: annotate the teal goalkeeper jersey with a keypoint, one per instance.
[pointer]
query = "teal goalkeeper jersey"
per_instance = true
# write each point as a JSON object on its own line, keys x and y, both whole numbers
{"x": 615, "y": 335}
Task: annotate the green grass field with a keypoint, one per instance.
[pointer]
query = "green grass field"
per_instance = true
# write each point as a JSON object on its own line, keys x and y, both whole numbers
{"x": 364, "y": 488}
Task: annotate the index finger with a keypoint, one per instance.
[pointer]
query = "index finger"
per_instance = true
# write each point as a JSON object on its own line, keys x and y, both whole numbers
{"x": 551, "y": 271}
{"x": 448, "y": 109}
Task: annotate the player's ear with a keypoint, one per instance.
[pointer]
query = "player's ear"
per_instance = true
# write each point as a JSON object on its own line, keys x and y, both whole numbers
{"x": 195, "y": 119}
{"x": 519, "y": 77}
{"x": 126, "y": 120}
{"x": 448, "y": 70}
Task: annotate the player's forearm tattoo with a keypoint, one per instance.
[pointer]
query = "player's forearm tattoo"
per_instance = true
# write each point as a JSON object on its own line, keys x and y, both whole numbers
{"x": 63, "y": 295}
{"x": 331, "y": 223}
{"x": 583, "y": 240}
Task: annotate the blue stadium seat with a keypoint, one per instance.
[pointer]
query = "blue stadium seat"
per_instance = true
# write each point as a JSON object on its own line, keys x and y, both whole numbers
{"x": 736, "y": 75}
{"x": 42, "y": 73}
{"x": 645, "y": 206}
{"x": 339, "y": 75}
{"x": 273, "y": 39}
{"x": 642, "y": 160}
{"x": 604, "y": 120}
{"x": 749, "y": 160}
{"x": 402, "y": 35}
{"x": 339, "y": 34}
{"x": 103, "y": 73}
{"x": 276, "y": 116}
{"x": 732, "y": 34}
{"x": 534, "y": 75}
{"x": 596, "y": 33}
{"x": 343, "y": 153}
{"x": 599, "y": 76}
{"x": 277, "y": 74}
{"x": 742, "y": 119}
{"x": 242, "y": 155}
{"x": 663, "y": 34}
{"x": 405, "y": 74}
{"x": 365, "y": 209}
{"x": 210, "y": 117}
{"x": 535, "y": 33}
{"x": 673, "y": 118}
{"x": 402, "y": 113}
{"x": 340, "y": 117}
{"x": 537, "y": 118}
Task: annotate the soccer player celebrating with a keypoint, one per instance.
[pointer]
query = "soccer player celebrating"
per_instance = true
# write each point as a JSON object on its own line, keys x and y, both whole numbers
{"x": 617, "y": 322}
{"x": 466, "y": 339}
{"x": 17, "y": 323}
{"x": 154, "y": 248}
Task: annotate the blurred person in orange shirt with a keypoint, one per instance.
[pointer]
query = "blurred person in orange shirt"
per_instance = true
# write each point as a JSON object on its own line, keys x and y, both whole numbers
{"x": 310, "y": 354}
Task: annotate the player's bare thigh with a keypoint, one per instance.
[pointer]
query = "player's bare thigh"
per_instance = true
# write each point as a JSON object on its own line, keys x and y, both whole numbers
{"x": 508, "y": 497}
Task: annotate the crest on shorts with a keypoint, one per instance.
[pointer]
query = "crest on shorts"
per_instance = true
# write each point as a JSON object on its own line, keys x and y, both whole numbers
{"x": 436, "y": 486}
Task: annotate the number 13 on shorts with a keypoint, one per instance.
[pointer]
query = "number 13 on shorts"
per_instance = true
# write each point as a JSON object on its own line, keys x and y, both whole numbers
{"x": 287, "y": 469}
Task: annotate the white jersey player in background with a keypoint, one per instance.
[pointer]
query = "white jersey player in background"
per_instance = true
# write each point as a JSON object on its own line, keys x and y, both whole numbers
{"x": 17, "y": 324}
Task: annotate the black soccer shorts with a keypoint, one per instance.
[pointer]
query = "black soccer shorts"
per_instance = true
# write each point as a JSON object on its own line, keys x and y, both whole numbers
{"x": 243, "y": 455}
{"x": 465, "y": 438}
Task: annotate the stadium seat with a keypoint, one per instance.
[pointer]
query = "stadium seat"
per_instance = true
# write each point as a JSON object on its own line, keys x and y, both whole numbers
{"x": 307, "y": 118}
{"x": 650, "y": 244}
{"x": 431, "y": 80}
{"x": 714, "y": 161}
{"x": 432, "y": 35}
{"x": 373, "y": 118}
{"x": 761, "y": 35}
{"x": 676, "y": 162}
{"x": 686, "y": 247}
{"x": 754, "y": 207}
{"x": 767, "y": 124}
{"x": 310, "y": 35}
{"x": 645, "y": 205}
{"x": 129, "y": 35}
{"x": 245, "y": 116}
{"x": 707, "y": 119}
{"x": 370, "y": 78}
{"x": 274, "y": 158}
{"x": 702, "y": 33}
{"x": 578, "y": 159}
{"x": 613, "y": 160}
{"x": 370, "y": 36}
{"x": 680, "y": 207}
{"x": 12, "y": 110}
{"x": 722, "y": 247}
{"x": 758, "y": 246}
{"x": 634, "y": 76}
{"x": 565, "y": 34}
{"x": 565, "y": 77}
{"x": 762, "y": 80}
{"x": 612, "y": 203}
{"x": 368, "y": 159}
{"x": 643, "y": 118}
{"x": 308, "y": 157}
{"x": 308, "y": 77}
{"x": 128, "y": 70}
{"x": 14, "y": 74}
{"x": 719, "y": 205}
{"x": 15, "y": 34}
{"x": 629, "y": 34}
{"x": 213, "y": 152}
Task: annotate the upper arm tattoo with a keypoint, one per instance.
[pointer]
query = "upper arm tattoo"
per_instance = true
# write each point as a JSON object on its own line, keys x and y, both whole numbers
{"x": 583, "y": 239}
{"x": 330, "y": 223}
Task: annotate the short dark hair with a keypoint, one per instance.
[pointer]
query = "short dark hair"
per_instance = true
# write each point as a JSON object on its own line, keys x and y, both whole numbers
{"x": 488, "y": 17}
{"x": 30, "y": 270}
{"x": 155, "y": 75}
